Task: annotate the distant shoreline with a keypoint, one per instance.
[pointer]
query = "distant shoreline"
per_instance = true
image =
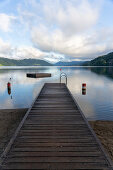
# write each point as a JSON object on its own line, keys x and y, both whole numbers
{"x": 35, "y": 67}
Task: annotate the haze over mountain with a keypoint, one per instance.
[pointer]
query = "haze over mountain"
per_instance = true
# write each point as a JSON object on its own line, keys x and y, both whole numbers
{"x": 72, "y": 63}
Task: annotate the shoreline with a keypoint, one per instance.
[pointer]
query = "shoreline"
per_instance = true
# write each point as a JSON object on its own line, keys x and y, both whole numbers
{"x": 104, "y": 131}
{"x": 10, "y": 119}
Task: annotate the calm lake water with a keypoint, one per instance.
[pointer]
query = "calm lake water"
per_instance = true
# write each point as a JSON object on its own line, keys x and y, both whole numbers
{"x": 97, "y": 104}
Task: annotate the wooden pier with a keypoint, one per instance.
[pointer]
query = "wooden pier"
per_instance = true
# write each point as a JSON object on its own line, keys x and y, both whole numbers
{"x": 54, "y": 134}
{"x": 38, "y": 75}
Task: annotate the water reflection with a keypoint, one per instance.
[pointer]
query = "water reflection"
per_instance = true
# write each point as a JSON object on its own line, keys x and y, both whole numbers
{"x": 106, "y": 71}
{"x": 23, "y": 89}
{"x": 96, "y": 104}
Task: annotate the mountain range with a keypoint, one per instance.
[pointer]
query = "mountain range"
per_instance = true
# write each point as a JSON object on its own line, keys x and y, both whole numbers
{"x": 24, "y": 62}
{"x": 72, "y": 63}
{"x": 105, "y": 60}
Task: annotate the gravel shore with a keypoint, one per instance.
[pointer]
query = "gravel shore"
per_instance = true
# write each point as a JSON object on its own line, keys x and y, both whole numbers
{"x": 9, "y": 120}
{"x": 104, "y": 131}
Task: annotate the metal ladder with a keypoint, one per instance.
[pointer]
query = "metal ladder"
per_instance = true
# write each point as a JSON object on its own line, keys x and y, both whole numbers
{"x": 63, "y": 75}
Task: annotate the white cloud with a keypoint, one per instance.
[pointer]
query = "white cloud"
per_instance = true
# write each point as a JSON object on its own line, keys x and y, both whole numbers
{"x": 70, "y": 16}
{"x": 5, "y": 22}
{"x": 78, "y": 46}
{"x": 67, "y": 27}
{"x": 27, "y": 52}
{"x": 9, "y": 51}
{"x": 5, "y": 48}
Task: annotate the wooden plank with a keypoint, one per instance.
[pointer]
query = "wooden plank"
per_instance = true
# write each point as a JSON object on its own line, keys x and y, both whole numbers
{"x": 59, "y": 166}
{"x": 53, "y": 119}
{"x": 73, "y": 135}
{"x": 45, "y": 127}
{"x": 26, "y": 144}
{"x": 58, "y": 149}
{"x": 55, "y": 137}
{"x": 54, "y": 115}
{"x": 54, "y": 111}
{"x": 55, "y": 122}
{"x": 57, "y": 159}
{"x": 54, "y": 140}
{"x": 51, "y": 154}
{"x": 74, "y": 132}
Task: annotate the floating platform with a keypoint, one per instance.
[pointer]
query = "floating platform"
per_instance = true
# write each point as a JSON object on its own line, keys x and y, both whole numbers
{"x": 38, "y": 75}
{"x": 54, "y": 134}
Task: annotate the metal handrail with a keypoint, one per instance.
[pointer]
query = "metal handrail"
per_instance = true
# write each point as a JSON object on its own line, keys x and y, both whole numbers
{"x": 63, "y": 75}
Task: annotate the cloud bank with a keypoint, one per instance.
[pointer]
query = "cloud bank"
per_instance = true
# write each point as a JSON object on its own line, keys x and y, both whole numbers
{"x": 59, "y": 30}
{"x": 7, "y": 51}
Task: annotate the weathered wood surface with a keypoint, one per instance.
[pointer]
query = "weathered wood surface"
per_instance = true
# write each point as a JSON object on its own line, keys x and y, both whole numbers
{"x": 55, "y": 135}
{"x": 38, "y": 75}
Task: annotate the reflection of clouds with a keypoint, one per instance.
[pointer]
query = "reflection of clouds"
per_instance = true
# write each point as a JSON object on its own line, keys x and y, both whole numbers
{"x": 92, "y": 80}
{"x": 19, "y": 77}
{"x": 22, "y": 88}
{"x": 3, "y": 87}
{"x": 87, "y": 108}
{"x": 97, "y": 101}
{"x": 99, "y": 92}
{"x": 37, "y": 88}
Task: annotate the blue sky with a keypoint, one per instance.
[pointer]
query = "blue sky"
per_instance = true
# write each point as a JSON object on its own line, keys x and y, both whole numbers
{"x": 56, "y": 30}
